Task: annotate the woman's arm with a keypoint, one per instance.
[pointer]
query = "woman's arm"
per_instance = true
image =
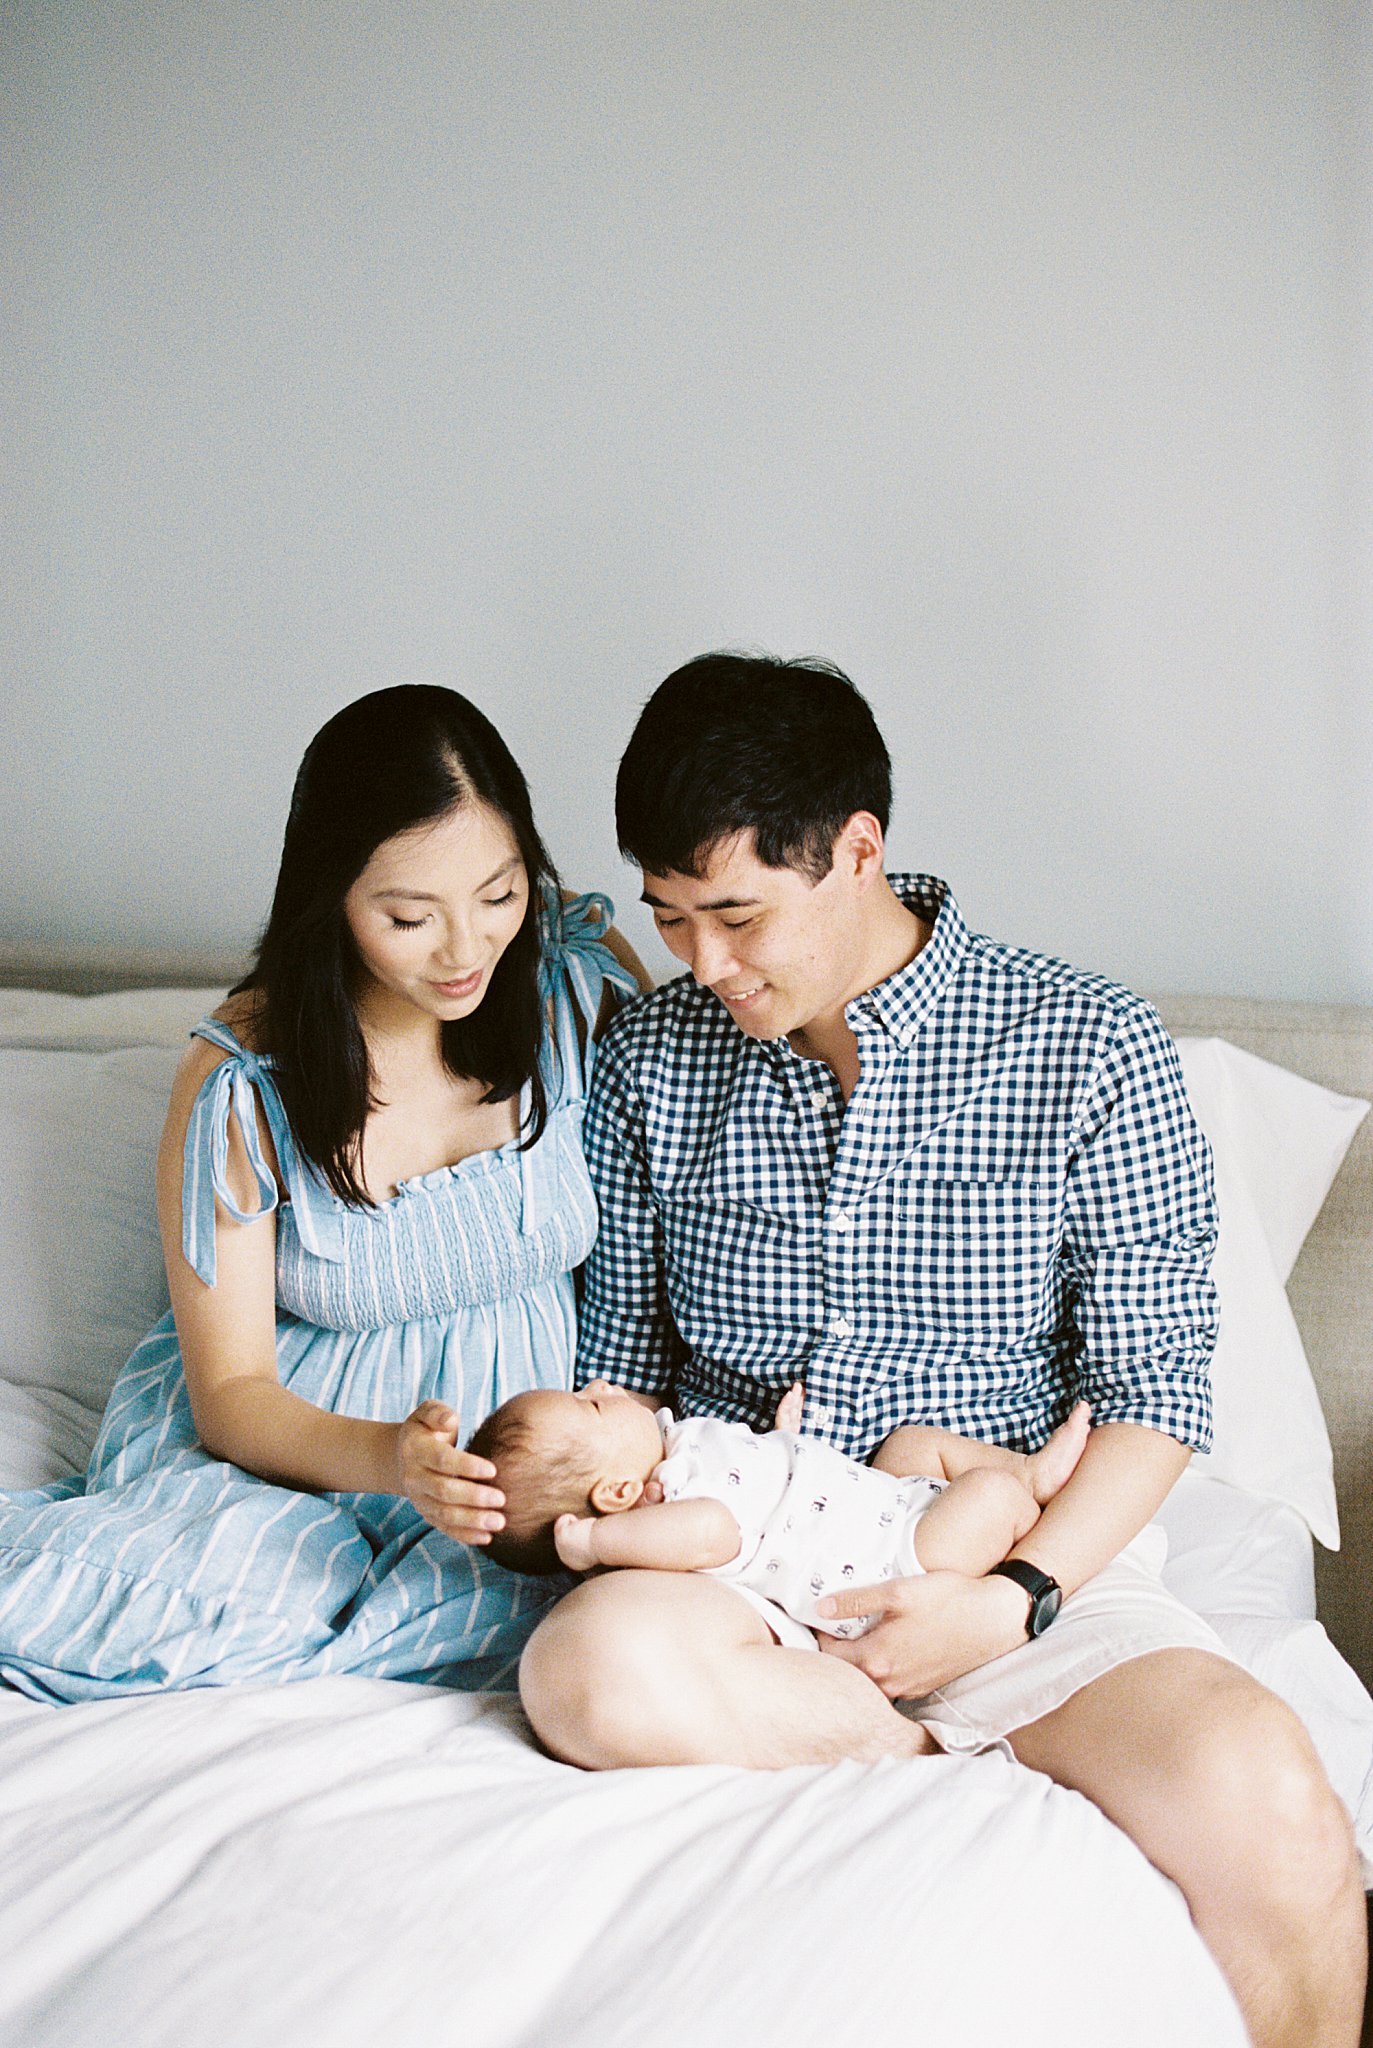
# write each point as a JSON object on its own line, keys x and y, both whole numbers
{"x": 619, "y": 945}
{"x": 228, "y": 1347}
{"x": 611, "y": 999}
{"x": 672, "y": 1536}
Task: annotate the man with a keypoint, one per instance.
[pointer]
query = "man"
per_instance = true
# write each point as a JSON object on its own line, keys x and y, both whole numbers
{"x": 947, "y": 1182}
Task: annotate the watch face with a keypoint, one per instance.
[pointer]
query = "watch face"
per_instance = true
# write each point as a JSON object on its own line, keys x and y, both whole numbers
{"x": 1044, "y": 1609}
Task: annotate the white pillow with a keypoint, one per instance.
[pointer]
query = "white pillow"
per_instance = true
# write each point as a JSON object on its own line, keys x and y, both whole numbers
{"x": 1286, "y": 1136}
{"x": 1278, "y": 1142}
{"x": 81, "y": 1273}
{"x": 134, "y": 1016}
{"x": 43, "y": 1436}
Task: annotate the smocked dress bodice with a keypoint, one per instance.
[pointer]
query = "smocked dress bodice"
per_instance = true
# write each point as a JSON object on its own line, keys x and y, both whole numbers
{"x": 491, "y": 1227}
{"x": 167, "y": 1566}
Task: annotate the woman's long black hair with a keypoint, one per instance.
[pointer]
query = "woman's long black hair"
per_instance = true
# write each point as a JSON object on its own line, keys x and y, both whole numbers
{"x": 394, "y": 760}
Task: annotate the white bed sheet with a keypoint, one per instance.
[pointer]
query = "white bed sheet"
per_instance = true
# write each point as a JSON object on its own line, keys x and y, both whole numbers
{"x": 357, "y": 1860}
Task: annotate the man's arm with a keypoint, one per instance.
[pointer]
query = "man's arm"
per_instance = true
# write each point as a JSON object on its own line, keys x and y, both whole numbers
{"x": 1121, "y": 1481}
{"x": 1140, "y": 1227}
{"x": 1139, "y": 1231}
{"x": 625, "y": 1328}
{"x": 673, "y": 1536}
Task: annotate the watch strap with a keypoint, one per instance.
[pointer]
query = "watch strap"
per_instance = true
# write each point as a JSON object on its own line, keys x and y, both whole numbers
{"x": 1045, "y": 1593}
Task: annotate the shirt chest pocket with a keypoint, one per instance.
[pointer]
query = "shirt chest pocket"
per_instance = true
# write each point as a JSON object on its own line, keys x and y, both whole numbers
{"x": 976, "y": 1257}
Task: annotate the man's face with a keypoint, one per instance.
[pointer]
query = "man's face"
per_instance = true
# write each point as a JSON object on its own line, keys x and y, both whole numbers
{"x": 778, "y": 949}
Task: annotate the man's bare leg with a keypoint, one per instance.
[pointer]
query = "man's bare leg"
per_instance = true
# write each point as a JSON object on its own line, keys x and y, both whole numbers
{"x": 669, "y": 1668}
{"x": 1218, "y": 1784}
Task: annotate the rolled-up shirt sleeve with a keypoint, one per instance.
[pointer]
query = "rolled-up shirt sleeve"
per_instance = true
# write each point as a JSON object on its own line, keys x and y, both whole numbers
{"x": 626, "y": 1332}
{"x": 1139, "y": 1232}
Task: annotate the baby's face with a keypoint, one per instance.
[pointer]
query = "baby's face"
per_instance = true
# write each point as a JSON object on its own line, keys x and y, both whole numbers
{"x": 618, "y": 1436}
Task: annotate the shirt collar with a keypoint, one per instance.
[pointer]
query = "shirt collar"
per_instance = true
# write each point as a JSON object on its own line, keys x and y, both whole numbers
{"x": 900, "y": 1005}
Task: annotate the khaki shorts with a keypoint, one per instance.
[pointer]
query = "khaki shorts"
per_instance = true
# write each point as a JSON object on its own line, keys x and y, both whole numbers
{"x": 1124, "y": 1612}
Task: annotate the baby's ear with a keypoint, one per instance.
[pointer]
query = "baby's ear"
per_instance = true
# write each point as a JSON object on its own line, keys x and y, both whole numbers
{"x": 613, "y": 1496}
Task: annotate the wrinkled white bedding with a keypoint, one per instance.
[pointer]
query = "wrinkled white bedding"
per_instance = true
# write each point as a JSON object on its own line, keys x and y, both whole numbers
{"x": 357, "y": 1861}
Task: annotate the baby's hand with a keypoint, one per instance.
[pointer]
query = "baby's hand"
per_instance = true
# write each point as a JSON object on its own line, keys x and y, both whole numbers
{"x": 572, "y": 1538}
{"x": 789, "y": 1408}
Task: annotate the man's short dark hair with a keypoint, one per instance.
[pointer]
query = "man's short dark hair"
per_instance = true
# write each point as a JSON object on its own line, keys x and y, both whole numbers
{"x": 744, "y": 742}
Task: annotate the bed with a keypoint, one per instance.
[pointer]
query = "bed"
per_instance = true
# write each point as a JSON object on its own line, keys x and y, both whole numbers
{"x": 356, "y": 1860}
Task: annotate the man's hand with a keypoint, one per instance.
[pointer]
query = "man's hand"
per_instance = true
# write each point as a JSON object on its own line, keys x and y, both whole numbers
{"x": 789, "y": 1408}
{"x": 929, "y": 1630}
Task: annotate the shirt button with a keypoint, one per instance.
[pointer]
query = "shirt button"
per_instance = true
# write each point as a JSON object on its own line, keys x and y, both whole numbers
{"x": 842, "y": 1220}
{"x": 820, "y": 1415}
{"x": 819, "y": 1099}
{"x": 840, "y": 1326}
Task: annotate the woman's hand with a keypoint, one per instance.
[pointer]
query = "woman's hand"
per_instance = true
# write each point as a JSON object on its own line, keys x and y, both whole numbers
{"x": 574, "y": 1540}
{"x": 446, "y": 1485}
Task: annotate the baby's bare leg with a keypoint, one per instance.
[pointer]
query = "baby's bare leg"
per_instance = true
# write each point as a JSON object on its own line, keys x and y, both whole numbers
{"x": 981, "y": 1515}
{"x": 915, "y": 1451}
{"x": 940, "y": 1454}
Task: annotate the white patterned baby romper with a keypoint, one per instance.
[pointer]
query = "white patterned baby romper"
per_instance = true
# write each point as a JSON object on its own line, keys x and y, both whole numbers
{"x": 811, "y": 1521}
{"x": 164, "y": 1566}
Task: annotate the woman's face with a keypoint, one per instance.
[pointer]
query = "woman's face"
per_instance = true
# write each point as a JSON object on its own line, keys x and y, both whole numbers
{"x": 434, "y": 909}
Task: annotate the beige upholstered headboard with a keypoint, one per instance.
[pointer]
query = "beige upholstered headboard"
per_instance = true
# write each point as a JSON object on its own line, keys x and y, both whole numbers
{"x": 1332, "y": 1288}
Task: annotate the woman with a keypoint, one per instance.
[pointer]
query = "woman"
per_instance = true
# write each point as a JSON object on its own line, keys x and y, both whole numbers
{"x": 372, "y": 1198}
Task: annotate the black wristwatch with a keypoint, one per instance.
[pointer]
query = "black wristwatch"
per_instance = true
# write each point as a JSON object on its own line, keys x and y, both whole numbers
{"x": 1046, "y": 1595}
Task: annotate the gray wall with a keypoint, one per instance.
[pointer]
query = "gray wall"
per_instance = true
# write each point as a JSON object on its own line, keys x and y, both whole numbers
{"x": 1015, "y": 357}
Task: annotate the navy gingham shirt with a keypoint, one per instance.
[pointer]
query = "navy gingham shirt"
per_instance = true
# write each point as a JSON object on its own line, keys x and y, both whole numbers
{"x": 1014, "y": 1210}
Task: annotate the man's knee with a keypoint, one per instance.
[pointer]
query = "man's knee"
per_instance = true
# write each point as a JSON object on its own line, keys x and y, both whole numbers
{"x": 1255, "y": 1791}
{"x": 619, "y": 1675}
{"x": 587, "y": 1685}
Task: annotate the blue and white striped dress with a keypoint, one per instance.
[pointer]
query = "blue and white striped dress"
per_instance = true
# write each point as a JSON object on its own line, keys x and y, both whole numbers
{"x": 167, "y": 1567}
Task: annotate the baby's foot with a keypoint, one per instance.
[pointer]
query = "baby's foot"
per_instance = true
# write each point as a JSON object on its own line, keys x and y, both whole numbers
{"x": 1049, "y": 1470}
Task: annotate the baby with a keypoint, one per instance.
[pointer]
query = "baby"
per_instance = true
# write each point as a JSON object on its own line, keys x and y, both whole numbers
{"x": 782, "y": 1515}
